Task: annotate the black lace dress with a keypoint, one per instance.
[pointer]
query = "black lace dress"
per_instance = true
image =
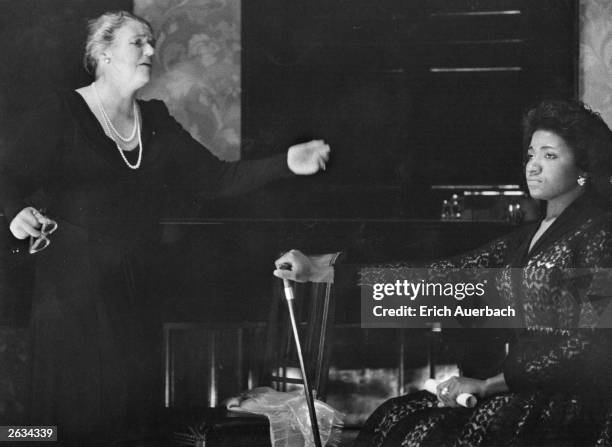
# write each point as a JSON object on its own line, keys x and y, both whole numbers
{"x": 558, "y": 369}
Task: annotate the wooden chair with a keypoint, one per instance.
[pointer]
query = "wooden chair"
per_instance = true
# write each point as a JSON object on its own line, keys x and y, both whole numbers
{"x": 279, "y": 368}
{"x": 315, "y": 311}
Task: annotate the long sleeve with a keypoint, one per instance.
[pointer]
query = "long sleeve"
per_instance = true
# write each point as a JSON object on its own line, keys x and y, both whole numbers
{"x": 194, "y": 170}
{"x": 32, "y": 159}
{"x": 576, "y": 360}
{"x": 489, "y": 255}
{"x": 486, "y": 347}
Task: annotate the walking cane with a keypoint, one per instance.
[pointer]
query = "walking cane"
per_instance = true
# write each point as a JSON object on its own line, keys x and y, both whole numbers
{"x": 309, "y": 398}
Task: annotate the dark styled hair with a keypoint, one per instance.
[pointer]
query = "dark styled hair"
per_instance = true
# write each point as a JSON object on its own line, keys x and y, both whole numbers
{"x": 101, "y": 34}
{"x": 584, "y": 131}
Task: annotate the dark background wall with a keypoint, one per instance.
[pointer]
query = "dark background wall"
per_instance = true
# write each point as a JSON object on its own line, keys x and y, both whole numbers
{"x": 407, "y": 93}
{"x": 41, "y": 43}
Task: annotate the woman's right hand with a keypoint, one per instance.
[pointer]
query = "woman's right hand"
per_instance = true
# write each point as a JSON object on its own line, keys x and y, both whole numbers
{"x": 27, "y": 223}
{"x": 303, "y": 268}
{"x": 308, "y": 158}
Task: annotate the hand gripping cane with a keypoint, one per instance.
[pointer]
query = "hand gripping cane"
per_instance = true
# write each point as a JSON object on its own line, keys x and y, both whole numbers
{"x": 308, "y": 392}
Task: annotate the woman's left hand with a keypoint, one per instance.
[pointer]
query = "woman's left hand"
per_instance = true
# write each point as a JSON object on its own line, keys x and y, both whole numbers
{"x": 448, "y": 390}
{"x": 308, "y": 158}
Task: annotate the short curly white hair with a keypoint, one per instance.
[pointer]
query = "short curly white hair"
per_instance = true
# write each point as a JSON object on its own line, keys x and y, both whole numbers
{"x": 101, "y": 34}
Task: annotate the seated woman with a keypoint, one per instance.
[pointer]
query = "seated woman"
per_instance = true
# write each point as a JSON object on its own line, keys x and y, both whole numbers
{"x": 554, "y": 386}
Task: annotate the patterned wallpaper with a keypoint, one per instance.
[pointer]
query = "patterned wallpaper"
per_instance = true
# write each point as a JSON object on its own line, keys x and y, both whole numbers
{"x": 596, "y": 56}
{"x": 197, "y": 67}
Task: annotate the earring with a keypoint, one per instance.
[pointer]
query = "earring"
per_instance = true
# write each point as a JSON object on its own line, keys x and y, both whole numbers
{"x": 107, "y": 60}
{"x": 581, "y": 180}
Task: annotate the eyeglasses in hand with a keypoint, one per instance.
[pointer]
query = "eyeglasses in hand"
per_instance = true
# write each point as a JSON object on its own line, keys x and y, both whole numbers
{"x": 41, "y": 242}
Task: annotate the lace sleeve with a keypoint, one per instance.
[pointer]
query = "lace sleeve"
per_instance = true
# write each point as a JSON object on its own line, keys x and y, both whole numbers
{"x": 489, "y": 255}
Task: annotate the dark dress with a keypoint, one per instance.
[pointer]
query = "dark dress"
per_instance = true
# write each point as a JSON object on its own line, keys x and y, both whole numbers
{"x": 91, "y": 348}
{"x": 558, "y": 369}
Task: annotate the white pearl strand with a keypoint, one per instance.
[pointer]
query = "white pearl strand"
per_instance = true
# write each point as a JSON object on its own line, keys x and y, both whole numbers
{"x": 111, "y": 131}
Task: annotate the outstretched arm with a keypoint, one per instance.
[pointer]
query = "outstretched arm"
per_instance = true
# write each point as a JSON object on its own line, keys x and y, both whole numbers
{"x": 305, "y": 268}
{"x": 195, "y": 170}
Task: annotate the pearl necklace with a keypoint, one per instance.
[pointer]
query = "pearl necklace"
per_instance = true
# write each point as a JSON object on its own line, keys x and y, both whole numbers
{"x": 111, "y": 131}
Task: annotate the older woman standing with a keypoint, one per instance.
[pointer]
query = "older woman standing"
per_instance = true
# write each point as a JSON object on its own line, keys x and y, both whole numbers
{"x": 554, "y": 386}
{"x": 103, "y": 158}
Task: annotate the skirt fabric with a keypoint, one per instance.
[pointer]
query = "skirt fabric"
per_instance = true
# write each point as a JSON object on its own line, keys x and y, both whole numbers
{"x": 93, "y": 367}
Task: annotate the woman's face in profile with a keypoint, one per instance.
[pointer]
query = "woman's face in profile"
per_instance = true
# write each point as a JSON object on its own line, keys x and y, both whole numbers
{"x": 131, "y": 55}
{"x": 551, "y": 171}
